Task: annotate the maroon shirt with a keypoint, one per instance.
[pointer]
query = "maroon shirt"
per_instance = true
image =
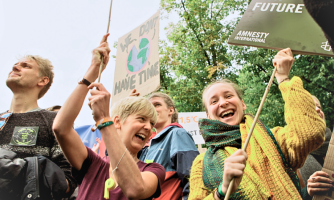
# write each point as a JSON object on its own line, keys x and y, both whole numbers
{"x": 95, "y": 171}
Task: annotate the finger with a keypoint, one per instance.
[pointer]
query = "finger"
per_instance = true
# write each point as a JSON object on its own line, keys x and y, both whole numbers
{"x": 320, "y": 179}
{"x": 238, "y": 166}
{"x": 236, "y": 159}
{"x": 95, "y": 98}
{"x": 97, "y": 92}
{"x": 97, "y": 85}
{"x": 240, "y": 152}
{"x": 108, "y": 49}
{"x": 319, "y": 173}
{"x": 101, "y": 51}
{"x": 230, "y": 173}
{"x": 104, "y": 38}
{"x": 288, "y": 51}
{"x": 319, "y": 185}
{"x": 106, "y": 60}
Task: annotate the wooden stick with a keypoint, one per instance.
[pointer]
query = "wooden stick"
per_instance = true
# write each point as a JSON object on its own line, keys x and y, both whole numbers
{"x": 101, "y": 65}
{"x": 229, "y": 189}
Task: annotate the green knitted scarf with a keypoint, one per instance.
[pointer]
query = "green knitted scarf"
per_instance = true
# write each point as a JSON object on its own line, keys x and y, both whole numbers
{"x": 217, "y": 136}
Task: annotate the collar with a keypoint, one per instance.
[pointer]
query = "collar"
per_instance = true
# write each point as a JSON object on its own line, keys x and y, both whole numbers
{"x": 165, "y": 130}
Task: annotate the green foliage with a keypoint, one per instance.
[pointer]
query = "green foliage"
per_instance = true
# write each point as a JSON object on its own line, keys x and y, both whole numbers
{"x": 317, "y": 73}
{"x": 199, "y": 52}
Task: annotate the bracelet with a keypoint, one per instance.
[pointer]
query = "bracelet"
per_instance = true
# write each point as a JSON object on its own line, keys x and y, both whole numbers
{"x": 284, "y": 80}
{"x": 219, "y": 192}
{"x": 102, "y": 123}
{"x": 105, "y": 124}
{"x": 84, "y": 81}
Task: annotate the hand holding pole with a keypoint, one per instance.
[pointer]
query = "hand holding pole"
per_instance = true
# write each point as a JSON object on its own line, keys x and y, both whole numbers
{"x": 102, "y": 58}
{"x": 229, "y": 189}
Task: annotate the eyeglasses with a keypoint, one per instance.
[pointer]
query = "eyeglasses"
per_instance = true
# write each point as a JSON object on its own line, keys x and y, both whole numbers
{"x": 4, "y": 118}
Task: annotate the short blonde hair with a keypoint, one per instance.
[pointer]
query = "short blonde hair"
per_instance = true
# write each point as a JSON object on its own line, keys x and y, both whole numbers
{"x": 170, "y": 103}
{"x": 316, "y": 99}
{"x": 45, "y": 69}
{"x": 134, "y": 105}
{"x": 224, "y": 81}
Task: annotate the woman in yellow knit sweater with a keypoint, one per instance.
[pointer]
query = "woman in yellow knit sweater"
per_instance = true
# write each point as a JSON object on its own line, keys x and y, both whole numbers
{"x": 267, "y": 169}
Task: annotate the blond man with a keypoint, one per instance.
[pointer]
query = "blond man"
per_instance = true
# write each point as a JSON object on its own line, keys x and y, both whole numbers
{"x": 26, "y": 129}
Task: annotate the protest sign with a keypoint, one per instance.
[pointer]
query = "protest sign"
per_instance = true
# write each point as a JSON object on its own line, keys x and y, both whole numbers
{"x": 328, "y": 167}
{"x": 280, "y": 24}
{"x": 189, "y": 121}
{"x": 137, "y": 61}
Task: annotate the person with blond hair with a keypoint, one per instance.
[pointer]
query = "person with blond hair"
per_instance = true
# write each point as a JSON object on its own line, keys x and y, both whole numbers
{"x": 267, "y": 170}
{"x": 172, "y": 147}
{"x": 26, "y": 129}
{"x": 125, "y": 130}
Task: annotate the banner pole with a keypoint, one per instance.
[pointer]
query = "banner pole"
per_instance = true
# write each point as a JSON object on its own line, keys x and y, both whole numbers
{"x": 229, "y": 189}
{"x": 101, "y": 65}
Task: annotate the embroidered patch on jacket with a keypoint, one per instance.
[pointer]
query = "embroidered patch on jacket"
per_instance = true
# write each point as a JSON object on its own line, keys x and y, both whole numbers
{"x": 24, "y": 136}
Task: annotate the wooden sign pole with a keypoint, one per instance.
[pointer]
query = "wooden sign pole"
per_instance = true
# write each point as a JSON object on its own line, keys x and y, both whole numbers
{"x": 229, "y": 190}
{"x": 101, "y": 65}
{"x": 102, "y": 145}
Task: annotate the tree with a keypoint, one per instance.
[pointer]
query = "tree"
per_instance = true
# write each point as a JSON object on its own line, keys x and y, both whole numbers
{"x": 198, "y": 52}
{"x": 316, "y": 72}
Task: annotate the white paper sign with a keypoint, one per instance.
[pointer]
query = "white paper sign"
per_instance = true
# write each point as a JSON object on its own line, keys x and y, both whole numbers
{"x": 189, "y": 121}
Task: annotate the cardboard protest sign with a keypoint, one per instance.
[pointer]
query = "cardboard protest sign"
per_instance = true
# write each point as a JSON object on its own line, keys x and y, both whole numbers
{"x": 280, "y": 24}
{"x": 189, "y": 121}
{"x": 137, "y": 60}
{"x": 329, "y": 169}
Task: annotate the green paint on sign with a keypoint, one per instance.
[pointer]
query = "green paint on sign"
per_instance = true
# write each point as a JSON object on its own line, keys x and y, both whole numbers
{"x": 143, "y": 43}
{"x": 142, "y": 54}
{"x": 130, "y": 67}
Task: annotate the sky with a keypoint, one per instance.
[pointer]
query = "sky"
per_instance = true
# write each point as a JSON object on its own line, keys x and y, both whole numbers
{"x": 66, "y": 32}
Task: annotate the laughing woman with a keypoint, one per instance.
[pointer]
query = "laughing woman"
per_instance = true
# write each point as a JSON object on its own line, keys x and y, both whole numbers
{"x": 125, "y": 131}
{"x": 267, "y": 169}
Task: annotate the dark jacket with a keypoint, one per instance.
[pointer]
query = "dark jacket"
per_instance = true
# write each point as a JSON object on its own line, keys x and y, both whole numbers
{"x": 11, "y": 175}
{"x": 30, "y": 178}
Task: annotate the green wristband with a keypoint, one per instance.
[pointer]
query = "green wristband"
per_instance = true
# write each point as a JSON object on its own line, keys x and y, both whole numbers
{"x": 220, "y": 193}
{"x": 105, "y": 124}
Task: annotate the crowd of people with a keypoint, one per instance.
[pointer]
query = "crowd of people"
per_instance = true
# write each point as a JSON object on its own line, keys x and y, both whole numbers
{"x": 148, "y": 154}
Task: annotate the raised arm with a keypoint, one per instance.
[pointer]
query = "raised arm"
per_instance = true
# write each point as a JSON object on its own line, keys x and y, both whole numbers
{"x": 69, "y": 140}
{"x": 134, "y": 184}
{"x": 305, "y": 129}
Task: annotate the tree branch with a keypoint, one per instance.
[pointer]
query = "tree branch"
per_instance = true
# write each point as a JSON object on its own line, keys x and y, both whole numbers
{"x": 309, "y": 81}
{"x": 199, "y": 41}
{"x": 266, "y": 72}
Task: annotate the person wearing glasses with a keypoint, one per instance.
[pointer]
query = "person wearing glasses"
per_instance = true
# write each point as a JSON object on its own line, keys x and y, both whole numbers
{"x": 25, "y": 128}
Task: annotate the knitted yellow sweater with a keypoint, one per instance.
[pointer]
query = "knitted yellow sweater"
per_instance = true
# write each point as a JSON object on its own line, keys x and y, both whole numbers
{"x": 304, "y": 133}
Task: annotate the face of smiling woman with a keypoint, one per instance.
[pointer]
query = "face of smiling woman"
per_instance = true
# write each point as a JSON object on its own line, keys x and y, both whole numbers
{"x": 135, "y": 131}
{"x": 223, "y": 104}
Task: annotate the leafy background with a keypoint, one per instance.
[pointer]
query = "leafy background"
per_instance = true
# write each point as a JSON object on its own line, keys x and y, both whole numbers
{"x": 196, "y": 53}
